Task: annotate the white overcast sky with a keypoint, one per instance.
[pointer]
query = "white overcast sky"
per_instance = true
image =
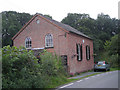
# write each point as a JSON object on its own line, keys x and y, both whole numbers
{"x": 59, "y": 9}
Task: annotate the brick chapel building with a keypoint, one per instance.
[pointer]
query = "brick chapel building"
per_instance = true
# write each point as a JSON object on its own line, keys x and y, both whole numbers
{"x": 74, "y": 47}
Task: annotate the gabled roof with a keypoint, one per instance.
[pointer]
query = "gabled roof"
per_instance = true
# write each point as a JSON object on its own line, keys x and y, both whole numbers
{"x": 66, "y": 27}
{"x": 56, "y": 23}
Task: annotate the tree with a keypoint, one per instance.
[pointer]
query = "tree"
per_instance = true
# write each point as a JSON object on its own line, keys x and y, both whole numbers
{"x": 112, "y": 45}
{"x": 12, "y": 22}
{"x": 112, "y": 50}
{"x": 48, "y": 16}
{"x": 100, "y": 29}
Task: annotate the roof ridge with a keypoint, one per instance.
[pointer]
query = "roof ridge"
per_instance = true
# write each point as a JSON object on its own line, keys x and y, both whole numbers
{"x": 61, "y": 25}
{"x": 65, "y": 26}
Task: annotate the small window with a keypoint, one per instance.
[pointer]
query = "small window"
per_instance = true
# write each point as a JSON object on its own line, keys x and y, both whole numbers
{"x": 28, "y": 42}
{"x": 48, "y": 40}
{"x": 87, "y": 52}
{"x": 37, "y": 21}
{"x": 79, "y": 52}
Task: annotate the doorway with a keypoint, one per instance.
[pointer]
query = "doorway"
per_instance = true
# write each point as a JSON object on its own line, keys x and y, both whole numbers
{"x": 64, "y": 62}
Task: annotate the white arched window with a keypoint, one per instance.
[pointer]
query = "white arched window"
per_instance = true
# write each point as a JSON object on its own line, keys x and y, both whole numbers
{"x": 79, "y": 52}
{"x": 28, "y": 42}
{"x": 49, "y": 40}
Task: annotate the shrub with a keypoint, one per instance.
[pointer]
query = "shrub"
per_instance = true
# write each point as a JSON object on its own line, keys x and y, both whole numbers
{"x": 111, "y": 48}
{"x": 51, "y": 64}
{"x": 52, "y": 69}
{"x": 20, "y": 69}
{"x": 114, "y": 61}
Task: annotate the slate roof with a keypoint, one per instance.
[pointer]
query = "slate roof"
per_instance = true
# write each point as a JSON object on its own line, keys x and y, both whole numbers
{"x": 66, "y": 27}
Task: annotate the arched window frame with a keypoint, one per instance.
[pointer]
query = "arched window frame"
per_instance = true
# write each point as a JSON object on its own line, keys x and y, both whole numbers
{"x": 28, "y": 43}
{"x": 49, "y": 40}
{"x": 79, "y": 51}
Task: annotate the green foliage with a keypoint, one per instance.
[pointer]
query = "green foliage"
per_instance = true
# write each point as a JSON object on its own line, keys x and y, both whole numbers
{"x": 107, "y": 45}
{"x": 113, "y": 59}
{"x": 12, "y": 22}
{"x": 112, "y": 45}
{"x": 48, "y": 16}
{"x": 50, "y": 64}
{"x": 100, "y": 29}
{"x": 110, "y": 53}
{"x": 74, "y": 19}
{"x": 22, "y": 70}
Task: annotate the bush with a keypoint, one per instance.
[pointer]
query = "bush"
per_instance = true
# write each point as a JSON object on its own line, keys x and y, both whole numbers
{"x": 114, "y": 61}
{"x": 111, "y": 48}
{"x": 51, "y": 64}
{"x": 20, "y": 69}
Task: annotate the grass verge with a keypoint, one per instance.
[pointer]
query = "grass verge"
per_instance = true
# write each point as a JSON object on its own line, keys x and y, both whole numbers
{"x": 114, "y": 69}
{"x": 56, "y": 82}
{"x": 62, "y": 81}
{"x": 73, "y": 80}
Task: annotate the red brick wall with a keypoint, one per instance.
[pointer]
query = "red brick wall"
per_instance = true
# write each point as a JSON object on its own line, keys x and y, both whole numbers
{"x": 37, "y": 33}
{"x": 74, "y": 64}
{"x": 62, "y": 45}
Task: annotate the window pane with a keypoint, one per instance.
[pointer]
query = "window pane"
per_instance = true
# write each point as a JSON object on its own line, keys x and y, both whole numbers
{"x": 81, "y": 51}
{"x": 77, "y": 51}
{"x": 28, "y": 43}
{"x": 49, "y": 41}
{"x": 88, "y": 52}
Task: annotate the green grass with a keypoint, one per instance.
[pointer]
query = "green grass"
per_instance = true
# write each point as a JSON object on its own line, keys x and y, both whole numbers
{"x": 113, "y": 69}
{"x": 62, "y": 82}
{"x": 58, "y": 81}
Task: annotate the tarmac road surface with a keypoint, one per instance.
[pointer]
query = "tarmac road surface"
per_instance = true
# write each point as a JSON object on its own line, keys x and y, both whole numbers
{"x": 104, "y": 80}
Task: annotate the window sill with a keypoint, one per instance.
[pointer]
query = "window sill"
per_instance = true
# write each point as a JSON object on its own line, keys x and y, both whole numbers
{"x": 28, "y": 48}
{"x": 48, "y": 47}
{"x": 79, "y": 60}
{"x": 88, "y": 59}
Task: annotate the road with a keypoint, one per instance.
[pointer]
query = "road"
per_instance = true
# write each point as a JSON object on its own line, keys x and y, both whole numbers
{"x": 104, "y": 80}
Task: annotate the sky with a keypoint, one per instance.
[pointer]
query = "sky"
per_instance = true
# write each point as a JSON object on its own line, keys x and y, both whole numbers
{"x": 59, "y": 9}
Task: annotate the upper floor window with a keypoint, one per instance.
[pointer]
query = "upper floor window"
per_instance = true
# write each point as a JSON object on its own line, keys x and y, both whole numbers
{"x": 79, "y": 52}
{"x": 49, "y": 40}
{"x": 87, "y": 52}
{"x": 28, "y": 42}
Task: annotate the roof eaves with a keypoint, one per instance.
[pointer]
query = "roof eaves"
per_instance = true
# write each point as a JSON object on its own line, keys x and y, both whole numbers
{"x": 81, "y": 35}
